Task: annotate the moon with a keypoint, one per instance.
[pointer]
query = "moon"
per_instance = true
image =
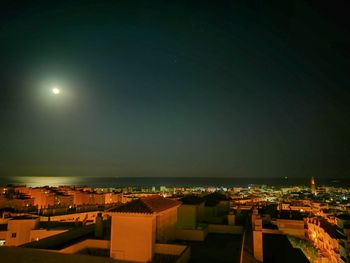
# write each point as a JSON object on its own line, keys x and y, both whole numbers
{"x": 56, "y": 91}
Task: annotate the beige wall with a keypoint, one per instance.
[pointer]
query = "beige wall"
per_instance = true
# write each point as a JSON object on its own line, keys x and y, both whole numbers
{"x": 187, "y": 216}
{"x": 231, "y": 219}
{"x": 16, "y": 203}
{"x": 111, "y": 198}
{"x": 192, "y": 234}
{"x": 169, "y": 249}
{"x": 258, "y": 245}
{"x": 18, "y": 231}
{"x": 37, "y": 234}
{"x": 88, "y": 243}
{"x": 166, "y": 225}
{"x": 3, "y": 235}
{"x": 183, "y": 252}
{"x": 291, "y": 227}
{"x": 225, "y": 229}
{"x": 42, "y": 197}
{"x": 133, "y": 236}
{"x": 81, "y": 198}
{"x": 72, "y": 217}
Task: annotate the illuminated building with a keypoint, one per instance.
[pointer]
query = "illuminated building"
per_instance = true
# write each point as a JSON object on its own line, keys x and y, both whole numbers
{"x": 111, "y": 198}
{"x": 190, "y": 212}
{"x": 327, "y": 238}
{"x": 313, "y": 185}
{"x": 343, "y": 223}
{"x": 85, "y": 197}
{"x": 24, "y": 229}
{"x": 138, "y": 225}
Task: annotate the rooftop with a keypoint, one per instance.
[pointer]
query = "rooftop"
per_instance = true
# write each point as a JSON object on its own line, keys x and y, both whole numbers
{"x": 276, "y": 247}
{"x": 24, "y": 217}
{"x": 64, "y": 239}
{"x": 147, "y": 205}
{"x": 192, "y": 200}
{"x": 331, "y": 230}
{"x": 218, "y": 248}
{"x": 344, "y": 217}
{"x": 293, "y": 215}
{"x": 27, "y": 255}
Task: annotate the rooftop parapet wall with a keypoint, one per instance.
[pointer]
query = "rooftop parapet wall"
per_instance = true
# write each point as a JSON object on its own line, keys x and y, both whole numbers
{"x": 183, "y": 252}
{"x": 88, "y": 243}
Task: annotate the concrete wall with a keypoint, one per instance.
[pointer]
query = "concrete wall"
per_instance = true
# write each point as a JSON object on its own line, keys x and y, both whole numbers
{"x": 133, "y": 236}
{"x": 65, "y": 237}
{"x": 166, "y": 225}
{"x": 183, "y": 252}
{"x": 38, "y": 234}
{"x": 223, "y": 208}
{"x": 18, "y": 204}
{"x": 18, "y": 231}
{"x": 258, "y": 245}
{"x": 169, "y": 249}
{"x": 185, "y": 256}
{"x": 72, "y": 217}
{"x": 231, "y": 219}
{"x": 3, "y": 235}
{"x": 300, "y": 233}
{"x": 291, "y": 227}
{"x": 88, "y": 243}
{"x": 192, "y": 234}
{"x": 271, "y": 231}
{"x": 225, "y": 229}
{"x": 209, "y": 212}
{"x": 187, "y": 216}
{"x": 111, "y": 198}
{"x": 42, "y": 197}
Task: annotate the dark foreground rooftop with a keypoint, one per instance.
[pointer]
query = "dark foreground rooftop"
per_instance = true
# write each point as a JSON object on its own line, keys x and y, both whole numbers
{"x": 147, "y": 205}
{"x": 27, "y": 255}
{"x": 277, "y": 248}
{"x": 218, "y": 248}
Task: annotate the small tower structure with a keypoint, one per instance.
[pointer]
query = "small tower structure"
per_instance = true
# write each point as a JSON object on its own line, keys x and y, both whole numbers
{"x": 313, "y": 185}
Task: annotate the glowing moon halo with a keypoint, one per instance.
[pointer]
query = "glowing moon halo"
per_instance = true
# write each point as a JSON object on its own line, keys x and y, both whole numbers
{"x": 56, "y": 91}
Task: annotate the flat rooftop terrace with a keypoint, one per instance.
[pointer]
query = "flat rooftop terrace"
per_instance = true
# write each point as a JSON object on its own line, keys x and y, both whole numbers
{"x": 218, "y": 248}
{"x": 29, "y": 255}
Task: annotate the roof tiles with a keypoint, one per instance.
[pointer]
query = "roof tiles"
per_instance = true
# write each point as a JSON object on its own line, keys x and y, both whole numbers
{"x": 147, "y": 205}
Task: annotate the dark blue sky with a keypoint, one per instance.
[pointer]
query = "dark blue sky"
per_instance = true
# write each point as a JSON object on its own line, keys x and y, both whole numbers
{"x": 188, "y": 88}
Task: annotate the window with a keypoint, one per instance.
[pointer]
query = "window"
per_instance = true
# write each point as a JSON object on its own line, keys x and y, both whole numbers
{"x": 13, "y": 235}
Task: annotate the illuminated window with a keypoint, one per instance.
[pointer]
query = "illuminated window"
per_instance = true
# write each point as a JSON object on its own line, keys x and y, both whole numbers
{"x": 2, "y": 242}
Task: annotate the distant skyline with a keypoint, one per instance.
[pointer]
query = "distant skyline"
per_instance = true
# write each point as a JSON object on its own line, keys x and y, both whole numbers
{"x": 184, "y": 181}
{"x": 175, "y": 89}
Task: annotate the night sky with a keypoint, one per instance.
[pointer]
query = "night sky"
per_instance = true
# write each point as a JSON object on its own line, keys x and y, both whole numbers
{"x": 248, "y": 88}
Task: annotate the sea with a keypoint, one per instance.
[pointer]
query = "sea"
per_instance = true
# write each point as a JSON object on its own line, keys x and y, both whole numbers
{"x": 115, "y": 182}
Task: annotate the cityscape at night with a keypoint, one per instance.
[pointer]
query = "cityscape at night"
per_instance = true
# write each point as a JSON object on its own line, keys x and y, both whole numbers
{"x": 175, "y": 131}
